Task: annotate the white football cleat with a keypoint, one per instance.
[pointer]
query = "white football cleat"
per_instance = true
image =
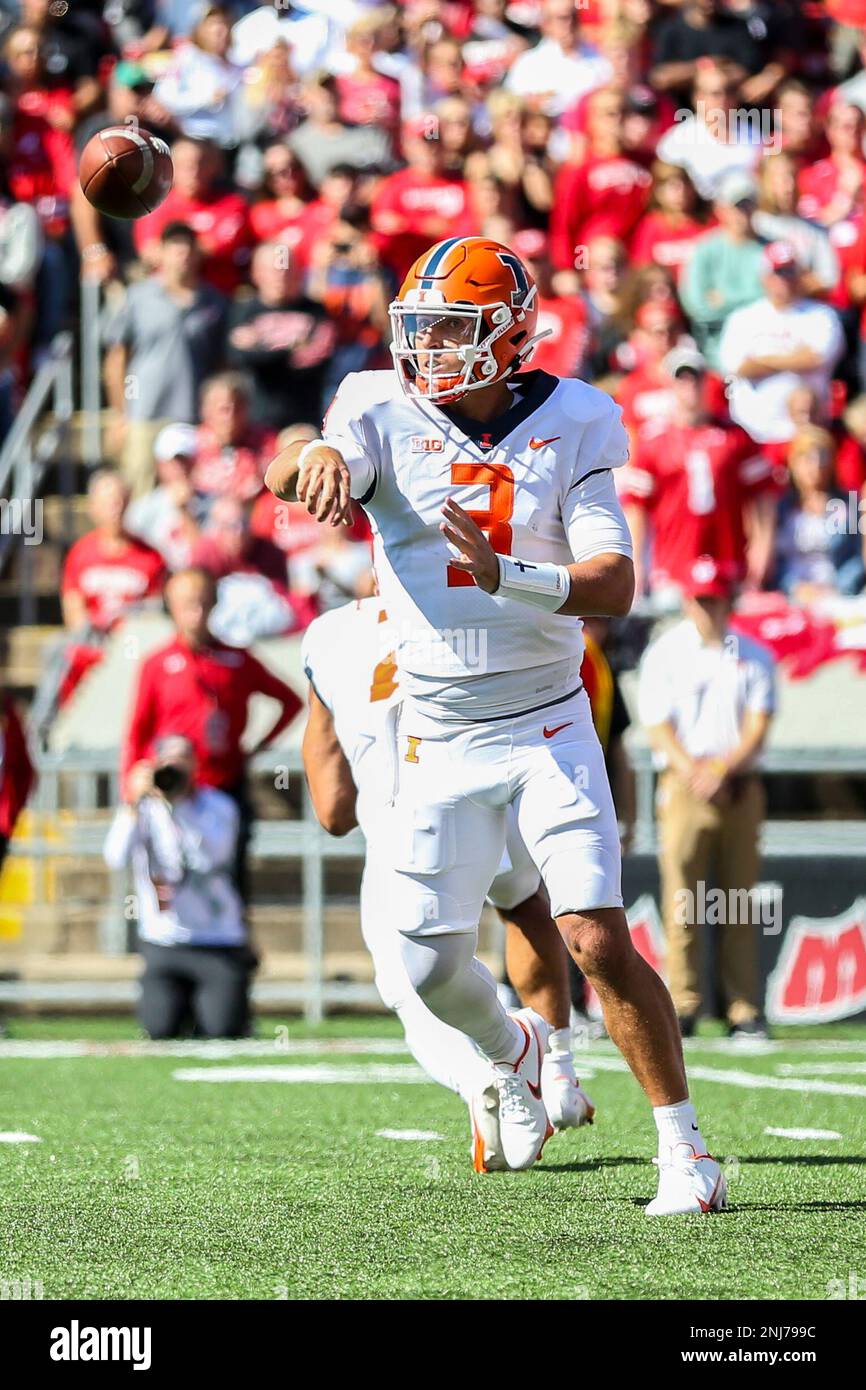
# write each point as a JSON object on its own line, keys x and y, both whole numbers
{"x": 567, "y": 1104}
{"x": 689, "y": 1182}
{"x": 487, "y": 1155}
{"x": 523, "y": 1124}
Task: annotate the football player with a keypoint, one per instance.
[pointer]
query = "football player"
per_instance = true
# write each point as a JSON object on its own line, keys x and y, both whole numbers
{"x": 496, "y": 524}
{"x": 353, "y": 695}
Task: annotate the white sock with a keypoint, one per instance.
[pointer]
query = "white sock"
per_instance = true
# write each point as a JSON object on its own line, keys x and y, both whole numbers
{"x": 558, "y": 1059}
{"x": 678, "y": 1124}
{"x": 559, "y": 1042}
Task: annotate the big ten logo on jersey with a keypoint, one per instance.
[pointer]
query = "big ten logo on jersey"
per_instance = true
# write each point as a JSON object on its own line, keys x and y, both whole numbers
{"x": 420, "y": 445}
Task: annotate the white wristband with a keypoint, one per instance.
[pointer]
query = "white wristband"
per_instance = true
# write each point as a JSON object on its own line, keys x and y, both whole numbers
{"x": 541, "y": 585}
{"x": 313, "y": 444}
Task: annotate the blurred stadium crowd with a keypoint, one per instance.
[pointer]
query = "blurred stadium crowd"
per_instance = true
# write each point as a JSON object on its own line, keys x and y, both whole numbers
{"x": 685, "y": 181}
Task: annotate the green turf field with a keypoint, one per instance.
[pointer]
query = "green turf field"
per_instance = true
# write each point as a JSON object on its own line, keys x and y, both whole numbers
{"x": 145, "y": 1185}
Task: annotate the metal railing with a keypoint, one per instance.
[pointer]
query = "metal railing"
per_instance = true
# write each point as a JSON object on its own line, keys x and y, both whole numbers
{"x": 26, "y": 454}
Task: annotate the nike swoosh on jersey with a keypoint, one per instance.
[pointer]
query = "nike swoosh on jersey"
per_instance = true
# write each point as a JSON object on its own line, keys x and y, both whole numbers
{"x": 540, "y": 443}
{"x": 548, "y": 733}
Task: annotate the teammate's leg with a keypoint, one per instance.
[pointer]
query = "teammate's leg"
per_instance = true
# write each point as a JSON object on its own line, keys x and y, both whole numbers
{"x": 537, "y": 964}
{"x": 566, "y": 815}
{"x": 536, "y": 961}
{"x": 448, "y": 1056}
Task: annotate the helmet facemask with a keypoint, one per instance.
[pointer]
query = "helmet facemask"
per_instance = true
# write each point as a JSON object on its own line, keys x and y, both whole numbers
{"x": 428, "y": 332}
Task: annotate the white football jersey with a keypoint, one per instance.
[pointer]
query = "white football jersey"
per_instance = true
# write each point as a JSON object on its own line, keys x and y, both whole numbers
{"x": 349, "y": 661}
{"x": 537, "y": 480}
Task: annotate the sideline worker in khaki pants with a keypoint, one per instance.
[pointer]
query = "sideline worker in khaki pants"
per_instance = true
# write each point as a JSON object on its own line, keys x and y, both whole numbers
{"x": 706, "y": 698}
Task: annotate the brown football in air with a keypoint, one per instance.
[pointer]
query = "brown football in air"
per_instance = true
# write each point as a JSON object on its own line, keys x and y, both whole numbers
{"x": 125, "y": 171}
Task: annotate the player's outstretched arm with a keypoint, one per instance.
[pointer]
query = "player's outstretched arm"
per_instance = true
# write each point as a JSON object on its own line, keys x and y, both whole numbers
{"x": 601, "y": 586}
{"x": 315, "y": 474}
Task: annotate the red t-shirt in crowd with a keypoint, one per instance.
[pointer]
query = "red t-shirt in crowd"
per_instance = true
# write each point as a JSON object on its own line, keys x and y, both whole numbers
{"x": 299, "y": 231}
{"x": 233, "y": 470}
{"x": 203, "y": 695}
{"x": 403, "y": 204}
{"x": 818, "y": 185}
{"x": 373, "y": 100}
{"x": 564, "y": 351}
{"x": 111, "y": 581}
{"x": 41, "y": 164}
{"x": 657, "y": 242}
{"x": 851, "y": 465}
{"x": 602, "y": 196}
{"x": 220, "y": 220}
{"x": 695, "y": 483}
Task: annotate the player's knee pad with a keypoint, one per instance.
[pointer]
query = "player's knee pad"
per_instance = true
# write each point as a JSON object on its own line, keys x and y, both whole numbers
{"x": 434, "y": 962}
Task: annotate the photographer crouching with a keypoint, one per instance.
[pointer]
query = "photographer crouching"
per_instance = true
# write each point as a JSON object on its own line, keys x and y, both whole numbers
{"x": 181, "y": 841}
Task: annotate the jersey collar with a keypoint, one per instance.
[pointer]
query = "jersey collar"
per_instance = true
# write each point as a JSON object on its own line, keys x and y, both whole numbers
{"x": 536, "y": 388}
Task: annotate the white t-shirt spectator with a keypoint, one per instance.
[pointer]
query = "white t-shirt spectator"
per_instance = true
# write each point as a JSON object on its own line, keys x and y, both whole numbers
{"x": 200, "y": 90}
{"x": 690, "y": 144}
{"x": 703, "y": 690}
{"x": 563, "y": 78}
{"x": 182, "y": 859}
{"x": 760, "y": 330}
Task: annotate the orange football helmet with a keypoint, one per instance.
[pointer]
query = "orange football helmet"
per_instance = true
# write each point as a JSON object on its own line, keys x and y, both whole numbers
{"x": 465, "y": 317}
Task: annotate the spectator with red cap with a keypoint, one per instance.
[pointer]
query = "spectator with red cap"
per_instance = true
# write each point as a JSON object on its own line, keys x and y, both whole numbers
{"x": 779, "y": 342}
{"x": 232, "y": 450}
{"x": 724, "y": 269}
{"x": 706, "y": 698}
{"x": 218, "y": 215}
{"x": 197, "y": 686}
{"x": 605, "y": 194}
{"x": 563, "y": 352}
{"x": 420, "y": 204}
{"x": 696, "y": 486}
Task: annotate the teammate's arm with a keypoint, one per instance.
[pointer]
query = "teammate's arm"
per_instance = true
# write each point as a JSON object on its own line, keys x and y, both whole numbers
{"x": 329, "y": 776}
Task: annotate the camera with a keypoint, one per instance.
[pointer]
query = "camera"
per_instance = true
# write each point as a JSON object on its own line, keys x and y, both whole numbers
{"x": 170, "y": 780}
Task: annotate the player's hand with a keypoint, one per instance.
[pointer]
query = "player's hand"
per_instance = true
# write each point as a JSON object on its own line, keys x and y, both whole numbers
{"x": 324, "y": 486}
{"x": 476, "y": 555}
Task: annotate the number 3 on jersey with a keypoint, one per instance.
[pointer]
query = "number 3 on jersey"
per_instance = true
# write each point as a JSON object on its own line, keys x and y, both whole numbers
{"x": 495, "y": 519}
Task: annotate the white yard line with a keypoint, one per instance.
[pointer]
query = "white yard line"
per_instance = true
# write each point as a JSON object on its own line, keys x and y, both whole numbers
{"x": 803, "y": 1133}
{"x": 821, "y": 1068}
{"x": 750, "y": 1080}
{"x": 409, "y": 1135}
{"x": 321, "y": 1074}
